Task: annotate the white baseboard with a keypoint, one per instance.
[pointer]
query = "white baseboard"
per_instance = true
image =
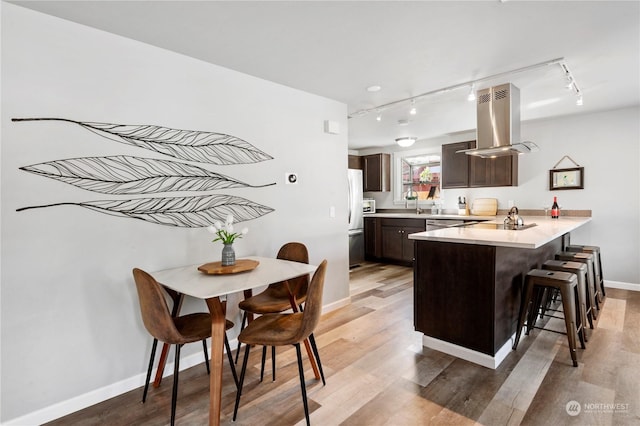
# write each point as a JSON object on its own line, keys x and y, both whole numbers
{"x": 621, "y": 285}
{"x": 336, "y": 305}
{"x": 97, "y": 396}
{"x": 470, "y": 355}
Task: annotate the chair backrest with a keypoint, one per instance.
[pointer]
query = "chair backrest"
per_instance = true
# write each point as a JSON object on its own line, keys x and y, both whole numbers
{"x": 313, "y": 305}
{"x": 296, "y": 252}
{"x": 153, "y": 307}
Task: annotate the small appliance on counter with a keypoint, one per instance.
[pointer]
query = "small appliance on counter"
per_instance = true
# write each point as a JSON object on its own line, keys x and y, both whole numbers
{"x": 368, "y": 205}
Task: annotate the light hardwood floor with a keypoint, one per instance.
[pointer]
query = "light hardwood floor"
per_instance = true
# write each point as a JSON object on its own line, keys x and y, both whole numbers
{"x": 378, "y": 373}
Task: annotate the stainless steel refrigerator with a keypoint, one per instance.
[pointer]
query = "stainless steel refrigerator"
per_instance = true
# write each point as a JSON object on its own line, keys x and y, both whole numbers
{"x": 356, "y": 221}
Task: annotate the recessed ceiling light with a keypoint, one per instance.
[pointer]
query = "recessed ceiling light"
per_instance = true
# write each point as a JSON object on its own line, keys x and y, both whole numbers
{"x": 373, "y": 88}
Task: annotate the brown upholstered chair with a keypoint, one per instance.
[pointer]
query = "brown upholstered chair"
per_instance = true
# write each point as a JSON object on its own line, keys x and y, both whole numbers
{"x": 287, "y": 329}
{"x": 174, "y": 330}
{"x": 276, "y": 297}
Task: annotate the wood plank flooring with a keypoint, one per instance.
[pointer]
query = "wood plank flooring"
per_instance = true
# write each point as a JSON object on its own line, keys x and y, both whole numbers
{"x": 378, "y": 373}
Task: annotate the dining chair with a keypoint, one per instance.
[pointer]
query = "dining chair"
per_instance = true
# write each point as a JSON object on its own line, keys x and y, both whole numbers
{"x": 277, "y": 298}
{"x": 174, "y": 330}
{"x": 283, "y": 329}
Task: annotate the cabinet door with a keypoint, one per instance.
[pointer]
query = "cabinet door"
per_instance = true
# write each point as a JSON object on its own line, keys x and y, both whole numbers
{"x": 372, "y": 239}
{"x": 455, "y": 166}
{"x": 479, "y": 171}
{"x": 377, "y": 172}
{"x": 499, "y": 171}
{"x": 392, "y": 242}
{"x": 505, "y": 171}
{"x": 407, "y": 244}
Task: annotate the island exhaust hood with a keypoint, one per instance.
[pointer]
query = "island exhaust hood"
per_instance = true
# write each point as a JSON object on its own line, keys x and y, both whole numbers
{"x": 498, "y": 123}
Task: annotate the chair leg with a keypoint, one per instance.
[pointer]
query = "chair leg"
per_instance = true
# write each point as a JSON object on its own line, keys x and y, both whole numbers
{"x": 151, "y": 359}
{"x": 174, "y": 395}
{"x": 242, "y": 372}
{"x": 244, "y": 322}
{"x": 206, "y": 355}
{"x": 273, "y": 363}
{"x": 303, "y": 387}
{"x": 231, "y": 363}
{"x": 264, "y": 358}
{"x": 312, "y": 340}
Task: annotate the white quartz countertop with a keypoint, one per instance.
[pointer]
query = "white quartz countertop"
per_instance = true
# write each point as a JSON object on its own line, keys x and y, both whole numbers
{"x": 546, "y": 230}
{"x": 428, "y": 216}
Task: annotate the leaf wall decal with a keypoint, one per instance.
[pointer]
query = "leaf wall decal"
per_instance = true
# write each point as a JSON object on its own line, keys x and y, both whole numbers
{"x": 188, "y": 212}
{"x": 124, "y": 174}
{"x": 191, "y": 145}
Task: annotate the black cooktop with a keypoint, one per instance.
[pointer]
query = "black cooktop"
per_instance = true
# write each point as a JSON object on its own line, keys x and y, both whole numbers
{"x": 483, "y": 225}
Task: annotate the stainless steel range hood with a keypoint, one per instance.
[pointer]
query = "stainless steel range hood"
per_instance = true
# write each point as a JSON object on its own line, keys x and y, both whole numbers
{"x": 498, "y": 123}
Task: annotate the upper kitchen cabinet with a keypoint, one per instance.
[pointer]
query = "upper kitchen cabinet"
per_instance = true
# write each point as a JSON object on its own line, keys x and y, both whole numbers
{"x": 499, "y": 171}
{"x": 455, "y": 166}
{"x": 355, "y": 162}
{"x": 460, "y": 170}
{"x": 377, "y": 172}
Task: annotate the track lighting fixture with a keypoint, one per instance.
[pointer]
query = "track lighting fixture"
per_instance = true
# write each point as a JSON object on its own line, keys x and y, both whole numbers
{"x": 472, "y": 93}
{"x": 571, "y": 84}
{"x": 579, "y": 100}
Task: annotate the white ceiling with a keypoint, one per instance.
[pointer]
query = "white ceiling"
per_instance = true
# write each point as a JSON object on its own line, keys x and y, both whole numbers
{"x": 337, "y": 49}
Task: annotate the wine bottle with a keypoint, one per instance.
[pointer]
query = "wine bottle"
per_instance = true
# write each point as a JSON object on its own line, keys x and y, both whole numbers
{"x": 555, "y": 209}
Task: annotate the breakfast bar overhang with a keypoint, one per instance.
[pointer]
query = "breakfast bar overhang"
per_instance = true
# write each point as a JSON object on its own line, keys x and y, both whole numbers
{"x": 467, "y": 284}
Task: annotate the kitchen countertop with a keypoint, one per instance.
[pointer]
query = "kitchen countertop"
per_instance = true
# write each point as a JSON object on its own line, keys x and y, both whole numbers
{"x": 547, "y": 230}
{"x": 428, "y": 216}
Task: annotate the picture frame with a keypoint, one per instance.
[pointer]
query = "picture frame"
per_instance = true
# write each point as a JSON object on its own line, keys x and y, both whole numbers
{"x": 571, "y": 178}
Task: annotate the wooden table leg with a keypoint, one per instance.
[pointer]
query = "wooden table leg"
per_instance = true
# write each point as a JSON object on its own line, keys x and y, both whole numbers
{"x": 218, "y": 323}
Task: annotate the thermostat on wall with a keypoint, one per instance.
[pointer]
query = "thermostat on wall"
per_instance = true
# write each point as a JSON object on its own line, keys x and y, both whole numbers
{"x": 291, "y": 178}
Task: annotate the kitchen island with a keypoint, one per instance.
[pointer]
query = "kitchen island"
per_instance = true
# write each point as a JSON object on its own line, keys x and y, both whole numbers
{"x": 468, "y": 281}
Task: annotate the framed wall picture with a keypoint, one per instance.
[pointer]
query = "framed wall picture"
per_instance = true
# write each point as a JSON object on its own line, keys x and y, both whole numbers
{"x": 572, "y": 178}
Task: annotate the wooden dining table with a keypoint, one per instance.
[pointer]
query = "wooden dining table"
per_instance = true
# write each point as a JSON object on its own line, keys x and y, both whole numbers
{"x": 190, "y": 281}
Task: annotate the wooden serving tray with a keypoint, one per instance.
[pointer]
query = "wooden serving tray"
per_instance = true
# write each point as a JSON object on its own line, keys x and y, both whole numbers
{"x": 216, "y": 268}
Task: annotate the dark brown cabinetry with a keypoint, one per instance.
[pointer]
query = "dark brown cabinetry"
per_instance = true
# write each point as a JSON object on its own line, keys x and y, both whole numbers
{"x": 387, "y": 239}
{"x": 469, "y": 294}
{"x": 377, "y": 172}
{"x": 455, "y": 166}
{"x": 499, "y": 171}
{"x": 460, "y": 170}
{"x": 394, "y": 236}
{"x": 355, "y": 162}
{"x": 372, "y": 246}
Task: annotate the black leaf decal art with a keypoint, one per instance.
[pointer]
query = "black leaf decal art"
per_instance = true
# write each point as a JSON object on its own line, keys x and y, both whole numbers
{"x": 190, "y": 145}
{"x": 188, "y": 212}
{"x": 134, "y": 175}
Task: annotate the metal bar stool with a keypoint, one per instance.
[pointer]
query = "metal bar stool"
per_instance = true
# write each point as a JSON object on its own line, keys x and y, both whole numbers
{"x": 580, "y": 269}
{"x": 536, "y": 281}
{"x": 597, "y": 265}
{"x": 588, "y": 259}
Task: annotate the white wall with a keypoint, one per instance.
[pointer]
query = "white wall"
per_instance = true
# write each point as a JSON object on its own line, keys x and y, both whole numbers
{"x": 70, "y": 318}
{"x": 607, "y": 145}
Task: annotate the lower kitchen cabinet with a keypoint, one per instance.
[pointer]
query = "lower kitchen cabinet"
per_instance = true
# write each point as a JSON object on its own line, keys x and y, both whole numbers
{"x": 372, "y": 250}
{"x": 394, "y": 235}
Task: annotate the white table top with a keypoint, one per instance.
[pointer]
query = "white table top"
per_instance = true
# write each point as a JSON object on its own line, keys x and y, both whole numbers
{"x": 190, "y": 281}
{"x": 546, "y": 230}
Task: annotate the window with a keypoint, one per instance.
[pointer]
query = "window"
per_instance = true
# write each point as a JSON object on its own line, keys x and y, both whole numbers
{"x": 417, "y": 177}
